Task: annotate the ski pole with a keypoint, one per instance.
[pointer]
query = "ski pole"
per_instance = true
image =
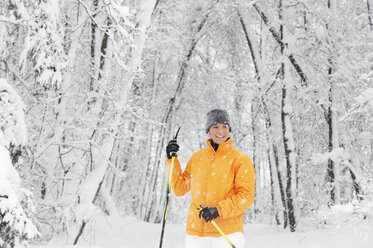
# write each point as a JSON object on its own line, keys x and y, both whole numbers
{"x": 168, "y": 192}
{"x": 222, "y": 233}
{"x": 219, "y": 230}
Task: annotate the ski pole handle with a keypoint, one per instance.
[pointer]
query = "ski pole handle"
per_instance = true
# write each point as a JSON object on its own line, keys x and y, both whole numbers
{"x": 175, "y": 138}
{"x": 172, "y": 161}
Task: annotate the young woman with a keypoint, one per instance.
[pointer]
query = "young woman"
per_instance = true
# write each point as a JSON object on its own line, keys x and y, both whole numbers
{"x": 222, "y": 183}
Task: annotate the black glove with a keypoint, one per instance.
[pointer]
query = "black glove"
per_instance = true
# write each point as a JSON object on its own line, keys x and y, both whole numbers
{"x": 172, "y": 148}
{"x": 208, "y": 214}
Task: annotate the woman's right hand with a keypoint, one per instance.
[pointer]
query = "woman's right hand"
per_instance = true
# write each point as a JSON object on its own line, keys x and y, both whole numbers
{"x": 172, "y": 148}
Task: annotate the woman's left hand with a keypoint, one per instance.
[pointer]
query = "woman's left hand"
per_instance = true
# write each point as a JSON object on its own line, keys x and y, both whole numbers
{"x": 208, "y": 214}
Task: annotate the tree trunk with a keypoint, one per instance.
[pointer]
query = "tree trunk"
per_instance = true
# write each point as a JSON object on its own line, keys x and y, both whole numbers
{"x": 276, "y": 166}
{"x": 251, "y": 48}
{"x": 144, "y": 179}
{"x": 369, "y": 15}
{"x": 113, "y": 179}
{"x": 273, "y": 198}
{"x": 281, "y": 187}
{"x": 357, "y": 188}
{"x": 253, "y": 123}
{"x": 155, "y": 6}
{"x": 287, "y": 134}
{"x": 256, "y": 167}
{"x": 84, "y": 223}
{"x": 332, "y": 121}
{"x": 144, "y": 19}
{"x": 93, "y": 48}
{"x": 142, "y": 211}
{"x": 104, "y": 44}
{"x": 330, "y": 169}
{"x": 289, "y": 156}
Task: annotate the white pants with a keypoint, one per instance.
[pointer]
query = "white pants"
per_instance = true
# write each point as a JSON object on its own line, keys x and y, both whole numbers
{"x": 238, "y": 240}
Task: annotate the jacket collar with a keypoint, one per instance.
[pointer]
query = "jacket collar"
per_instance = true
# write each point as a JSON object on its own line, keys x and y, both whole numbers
{"x": 222, "y": 147}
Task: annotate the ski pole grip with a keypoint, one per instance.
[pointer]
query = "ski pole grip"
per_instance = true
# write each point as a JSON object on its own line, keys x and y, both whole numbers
{"x": 175, "y": 138}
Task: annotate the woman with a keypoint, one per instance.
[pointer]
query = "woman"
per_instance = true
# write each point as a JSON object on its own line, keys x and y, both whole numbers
{"x": 222, "y": 183}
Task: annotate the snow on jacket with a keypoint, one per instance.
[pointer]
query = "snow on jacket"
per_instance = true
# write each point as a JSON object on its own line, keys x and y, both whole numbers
{"x": 224, "y": 179}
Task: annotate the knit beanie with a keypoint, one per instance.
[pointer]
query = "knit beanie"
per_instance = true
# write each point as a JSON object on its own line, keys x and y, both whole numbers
{"x": 217, "y": 116}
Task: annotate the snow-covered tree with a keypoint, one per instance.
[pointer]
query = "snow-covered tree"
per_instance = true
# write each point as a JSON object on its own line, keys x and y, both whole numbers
{"x": 16, "y": 228}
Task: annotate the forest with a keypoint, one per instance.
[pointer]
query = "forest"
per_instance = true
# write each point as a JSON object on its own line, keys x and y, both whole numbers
{"x": 91, "y": 91}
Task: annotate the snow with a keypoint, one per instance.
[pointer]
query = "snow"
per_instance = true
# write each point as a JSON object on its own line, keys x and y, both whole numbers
{"x": 342, "y": 237}
{"x": 334, "y": 155}
{"x": 128, "y": 232}
{"x": 366, "y": 135}
{"x": 366, "y": 98}
{"x": 363, "y": 104}
{"x": 85, "y": 209}
{"x": 12, "y": 121}
{"x": 8, "y": 177}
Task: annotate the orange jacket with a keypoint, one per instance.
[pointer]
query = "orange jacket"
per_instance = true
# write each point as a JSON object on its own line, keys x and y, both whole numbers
{"x": 224, "y": 179}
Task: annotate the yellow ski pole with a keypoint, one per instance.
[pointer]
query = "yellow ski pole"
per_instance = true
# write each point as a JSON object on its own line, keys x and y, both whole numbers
{"x": 219, "y": 230}
{"x": 168, "y": 193}
{"x": 222, "y": 233}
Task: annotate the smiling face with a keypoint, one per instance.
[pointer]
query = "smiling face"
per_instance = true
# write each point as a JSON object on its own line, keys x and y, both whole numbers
{"x": 219, "y": 133}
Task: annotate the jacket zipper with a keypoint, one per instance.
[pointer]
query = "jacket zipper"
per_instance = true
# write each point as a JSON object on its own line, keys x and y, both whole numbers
{"x": 206, "y": 187}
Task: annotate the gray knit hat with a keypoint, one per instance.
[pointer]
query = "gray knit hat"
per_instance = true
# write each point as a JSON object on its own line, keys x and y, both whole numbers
{"x": 217, "y": 116}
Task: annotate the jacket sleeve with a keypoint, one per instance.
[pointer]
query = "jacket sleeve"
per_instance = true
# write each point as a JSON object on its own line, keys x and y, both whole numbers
{"x": 180, "y": 182}
{"x": 244, "y": 190}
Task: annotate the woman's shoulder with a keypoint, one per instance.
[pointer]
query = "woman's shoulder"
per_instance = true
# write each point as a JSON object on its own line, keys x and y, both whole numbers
{"x": 240, "y": 155}
{"x": 200, "y": 153}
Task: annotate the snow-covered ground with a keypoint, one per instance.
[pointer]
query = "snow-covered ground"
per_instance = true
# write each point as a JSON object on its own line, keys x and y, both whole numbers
{"x": 128, "y": 232}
